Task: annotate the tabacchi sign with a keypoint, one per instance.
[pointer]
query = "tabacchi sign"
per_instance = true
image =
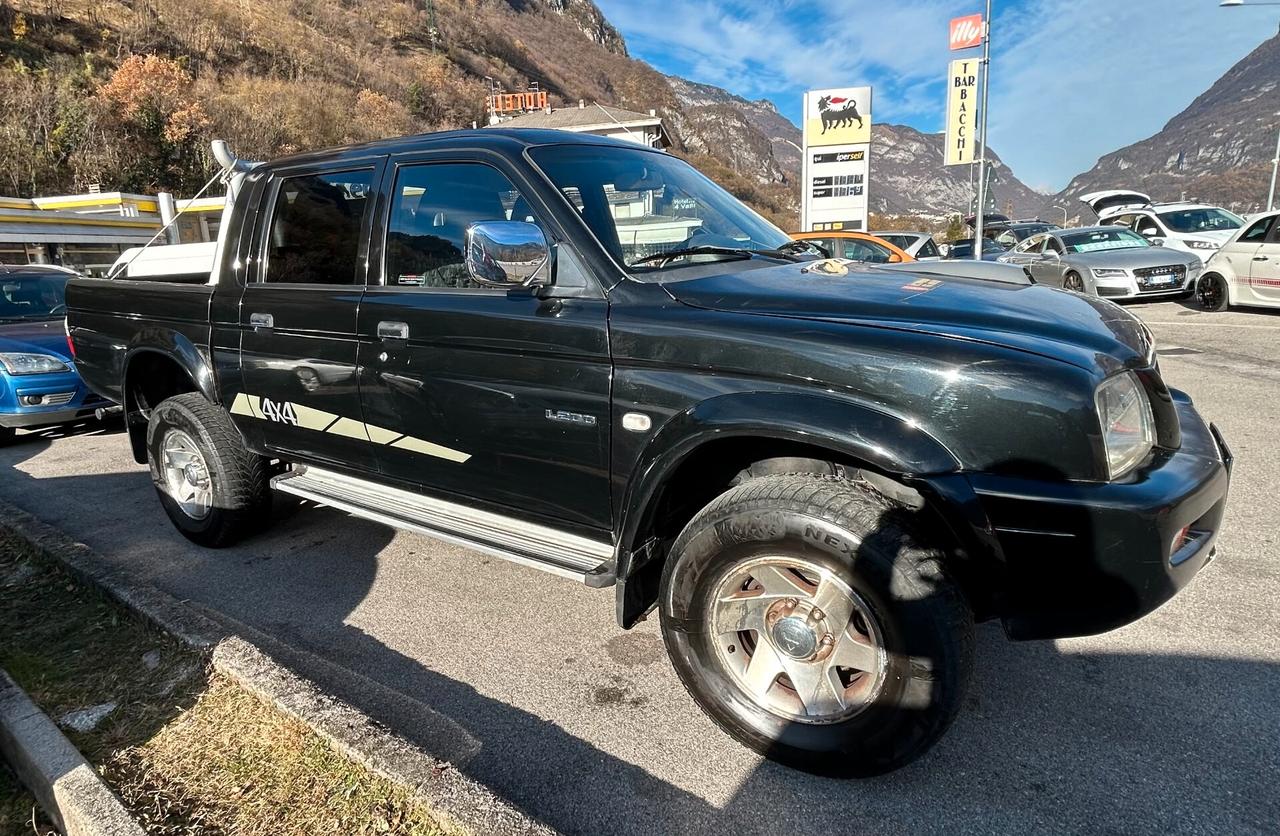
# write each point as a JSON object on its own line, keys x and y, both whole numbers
{"x": 962, "y": 89}
{"x": 966, "y": 31}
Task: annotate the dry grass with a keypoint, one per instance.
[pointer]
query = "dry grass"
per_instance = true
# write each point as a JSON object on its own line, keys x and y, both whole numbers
{"x": 18, "y": 814}
{"x": 232, "y": 764}
{"x": 189, "y": 753}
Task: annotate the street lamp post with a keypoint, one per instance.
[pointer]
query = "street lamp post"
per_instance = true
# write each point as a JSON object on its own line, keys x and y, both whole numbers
{"x": 980, "y": 213}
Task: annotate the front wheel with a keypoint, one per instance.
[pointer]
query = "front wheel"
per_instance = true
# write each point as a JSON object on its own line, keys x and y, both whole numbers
{"x": 805, "y": 615}
{"x": 1072, "y": 281}
{"x": 1211, "y": 292}
{"x": 213, "y": 489}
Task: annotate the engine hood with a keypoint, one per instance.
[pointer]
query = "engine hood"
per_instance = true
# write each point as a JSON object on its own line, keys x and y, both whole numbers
{"x": 42, "y": 337}
{"x": 1065, "y": 326}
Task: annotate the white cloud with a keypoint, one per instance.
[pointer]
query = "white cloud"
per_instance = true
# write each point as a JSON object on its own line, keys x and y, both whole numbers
{"x": 1071, "y": 81}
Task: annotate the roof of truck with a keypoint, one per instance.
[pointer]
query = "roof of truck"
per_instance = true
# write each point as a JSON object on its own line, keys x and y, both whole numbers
{"x": 509, "y": 139}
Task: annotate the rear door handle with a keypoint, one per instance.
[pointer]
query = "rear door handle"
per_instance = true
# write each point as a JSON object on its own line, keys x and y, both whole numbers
{"x": 388, "y": 330}
{"x": 262, "y": 320}
{"x": 1259, "y": 258}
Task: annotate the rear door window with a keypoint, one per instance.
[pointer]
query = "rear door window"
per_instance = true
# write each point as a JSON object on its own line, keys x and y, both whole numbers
{"x": 316, "y": 221}
{"x": 928, "y": 250}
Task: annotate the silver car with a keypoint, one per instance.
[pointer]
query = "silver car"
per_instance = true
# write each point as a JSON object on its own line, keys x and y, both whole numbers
{"x": 1107, "y": 261}
{"x": 918, "y": 245}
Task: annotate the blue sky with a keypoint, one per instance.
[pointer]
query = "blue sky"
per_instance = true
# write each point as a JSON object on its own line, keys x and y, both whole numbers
{"x": 1071, "y": 79}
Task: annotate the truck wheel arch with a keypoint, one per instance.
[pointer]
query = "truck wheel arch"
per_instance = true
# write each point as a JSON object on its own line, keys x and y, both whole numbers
{"x": 153, "y": 374}
{"x": 731, "y": 433}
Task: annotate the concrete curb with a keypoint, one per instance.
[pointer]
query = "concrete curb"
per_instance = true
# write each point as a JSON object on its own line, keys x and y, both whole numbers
{"x": 65, "y": 785}
{"x": 466, "y": 804}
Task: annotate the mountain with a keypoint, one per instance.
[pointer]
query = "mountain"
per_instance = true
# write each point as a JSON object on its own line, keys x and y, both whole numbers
{"x": 907, "y": 174}
{"x": 1218, "y": 150}
{"x": 127, "y": 95}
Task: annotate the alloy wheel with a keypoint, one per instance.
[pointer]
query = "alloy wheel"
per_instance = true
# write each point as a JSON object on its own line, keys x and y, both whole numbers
{"x": 186, "y": 476}
{"x": 797, "y": 640}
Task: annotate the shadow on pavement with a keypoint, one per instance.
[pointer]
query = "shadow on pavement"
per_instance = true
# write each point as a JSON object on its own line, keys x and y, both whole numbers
{"x": 1046, "y": 741}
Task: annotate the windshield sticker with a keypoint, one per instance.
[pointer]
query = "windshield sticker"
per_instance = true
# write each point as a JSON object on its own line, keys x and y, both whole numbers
{"x": 1095, "y": 246}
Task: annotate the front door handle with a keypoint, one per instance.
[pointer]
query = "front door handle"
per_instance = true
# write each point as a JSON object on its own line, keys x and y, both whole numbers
{"x": 262, "y": 320}
{"x": 393, "y": 330}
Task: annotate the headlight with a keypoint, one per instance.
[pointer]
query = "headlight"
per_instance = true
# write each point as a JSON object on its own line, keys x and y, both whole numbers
{"x": 1128, "y": 428}
{"x": 17, "y": 362}
{"x": 1203, "y": 245}
{"x": 1109, "y": 272}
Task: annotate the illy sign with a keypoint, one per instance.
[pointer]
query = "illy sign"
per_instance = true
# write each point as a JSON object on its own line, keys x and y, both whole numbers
{"x": 966, "y": 31}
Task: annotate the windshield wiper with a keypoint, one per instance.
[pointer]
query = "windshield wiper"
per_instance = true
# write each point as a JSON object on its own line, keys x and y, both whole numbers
{"x": 707, "y": 249}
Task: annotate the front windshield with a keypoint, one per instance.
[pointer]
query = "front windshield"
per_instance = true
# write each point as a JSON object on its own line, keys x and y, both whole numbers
{"x": 1208, "y": 219}
{"x": 32, "y": 296}
{"x": 1103, "y": 239}
{"x": 642, "y": 203}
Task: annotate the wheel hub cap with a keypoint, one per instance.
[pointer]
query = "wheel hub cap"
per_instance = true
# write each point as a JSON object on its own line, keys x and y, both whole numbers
{"x": 185, "y": 474}
{"x": 794, "y": 637}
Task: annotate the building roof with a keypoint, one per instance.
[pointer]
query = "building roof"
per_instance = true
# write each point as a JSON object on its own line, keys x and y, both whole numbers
{"x": 582, "y": 119}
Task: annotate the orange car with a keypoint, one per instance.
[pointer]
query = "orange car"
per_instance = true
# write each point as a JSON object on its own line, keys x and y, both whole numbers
{"x": 856, "y": 246}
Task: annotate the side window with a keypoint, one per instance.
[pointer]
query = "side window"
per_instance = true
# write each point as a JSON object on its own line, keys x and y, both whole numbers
{"x": 431, "y": 207}
{"x": 1256, "y": 233}
{"x": 928, "y": 250}
{"x": 1122, "y": 220}
{"x": 1030, "y": 244}
{"x": 315, "y": 228}
{"x": 1051, "y": 245}
{"x": 1146, "y": 225}
{"x": 1007, "y": 239}
{"x": 864, "y": 251}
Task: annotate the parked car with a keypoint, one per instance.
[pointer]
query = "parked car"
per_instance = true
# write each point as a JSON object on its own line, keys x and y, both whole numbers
{"x": 918, "y": 245}
{"x": 1195, "y": 228}
{"x": 1013, "y": 233}
{"x": 1106, "y": 261}
{"x": 1246, "y": 270}
{"x": 819, "y": 474}
{"x": 856, "y": 246}
{"x": 963, "y": 248}
{"x": 38, "y": 386}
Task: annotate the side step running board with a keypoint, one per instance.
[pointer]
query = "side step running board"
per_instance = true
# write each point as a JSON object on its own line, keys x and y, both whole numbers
{"x": 558, "y": 552}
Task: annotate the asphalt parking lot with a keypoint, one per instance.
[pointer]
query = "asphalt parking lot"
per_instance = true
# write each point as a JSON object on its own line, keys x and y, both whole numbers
{"x": 525, "y": 682}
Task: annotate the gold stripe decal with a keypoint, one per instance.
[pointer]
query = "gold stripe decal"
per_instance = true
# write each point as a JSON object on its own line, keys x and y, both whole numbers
{"x": 309, "y": 418}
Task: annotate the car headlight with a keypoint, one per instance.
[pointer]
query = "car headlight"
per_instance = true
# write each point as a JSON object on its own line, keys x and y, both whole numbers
{"x": 1128, "y": 427}
{"x": 1109, "y": 272}
{"x": 1203, "y": 245}
{"x": 19, "y": 362}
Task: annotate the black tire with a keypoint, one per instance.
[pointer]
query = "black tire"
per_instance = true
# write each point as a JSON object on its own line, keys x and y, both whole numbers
{"x": 1211, "y": 292}
{"x": 874, "y": 546}
{"x": 7, "y": 435}
{"x": 1072, "y": 281}
{"x": 241, "y": 496}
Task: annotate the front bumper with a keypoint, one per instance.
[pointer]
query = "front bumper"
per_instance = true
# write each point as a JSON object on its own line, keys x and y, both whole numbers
{"x": 64, "y": 398}
{"x": 1084, "y": 558}
{"x": 1129, "y": 288}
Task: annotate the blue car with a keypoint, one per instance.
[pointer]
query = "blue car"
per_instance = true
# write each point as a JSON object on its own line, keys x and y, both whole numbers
{"x": 39, "y": 386}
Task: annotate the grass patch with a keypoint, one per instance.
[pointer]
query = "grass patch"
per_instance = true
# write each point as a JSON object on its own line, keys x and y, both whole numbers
{"x": 187, "y": 751}
{"x": 19, "y": 815}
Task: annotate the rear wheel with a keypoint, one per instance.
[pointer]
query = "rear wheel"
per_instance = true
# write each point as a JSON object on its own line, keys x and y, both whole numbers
{"x": 1072, "y": 281}
{"x": 1211, "y": 292}
{"x": 807, "y": 618}
{"x": 214, "y": 490}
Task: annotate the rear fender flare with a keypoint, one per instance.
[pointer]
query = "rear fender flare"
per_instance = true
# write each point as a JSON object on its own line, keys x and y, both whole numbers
{"x": 176, "y": 348}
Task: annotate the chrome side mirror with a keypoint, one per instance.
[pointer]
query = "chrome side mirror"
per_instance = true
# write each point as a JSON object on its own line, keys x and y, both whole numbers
{"x": 508, "y": 254}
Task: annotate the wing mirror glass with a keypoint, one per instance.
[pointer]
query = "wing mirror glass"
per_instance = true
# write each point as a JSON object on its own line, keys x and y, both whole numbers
{"x": 508, "y": 254}
{"x": 894, "y": 258}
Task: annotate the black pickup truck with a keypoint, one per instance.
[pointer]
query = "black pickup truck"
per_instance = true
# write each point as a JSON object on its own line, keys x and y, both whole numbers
{"x": 583, "y": 356}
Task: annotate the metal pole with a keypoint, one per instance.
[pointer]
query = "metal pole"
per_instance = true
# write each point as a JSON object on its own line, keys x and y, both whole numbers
{"x": 982, "y": 137}
{"x": 1275, "y": 165}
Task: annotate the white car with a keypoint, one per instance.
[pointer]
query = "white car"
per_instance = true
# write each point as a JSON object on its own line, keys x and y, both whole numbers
{"x": 1190, "y": 227}
{"x": 1246, "y": 270}
{"x": 918, "y": 245}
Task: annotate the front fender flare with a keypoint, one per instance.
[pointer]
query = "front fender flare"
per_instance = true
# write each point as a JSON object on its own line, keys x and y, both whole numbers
{"x": 881, "y": 441}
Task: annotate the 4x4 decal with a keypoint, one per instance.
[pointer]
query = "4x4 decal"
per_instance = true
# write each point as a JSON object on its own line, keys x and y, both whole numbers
{"x": 309, "y": 418}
